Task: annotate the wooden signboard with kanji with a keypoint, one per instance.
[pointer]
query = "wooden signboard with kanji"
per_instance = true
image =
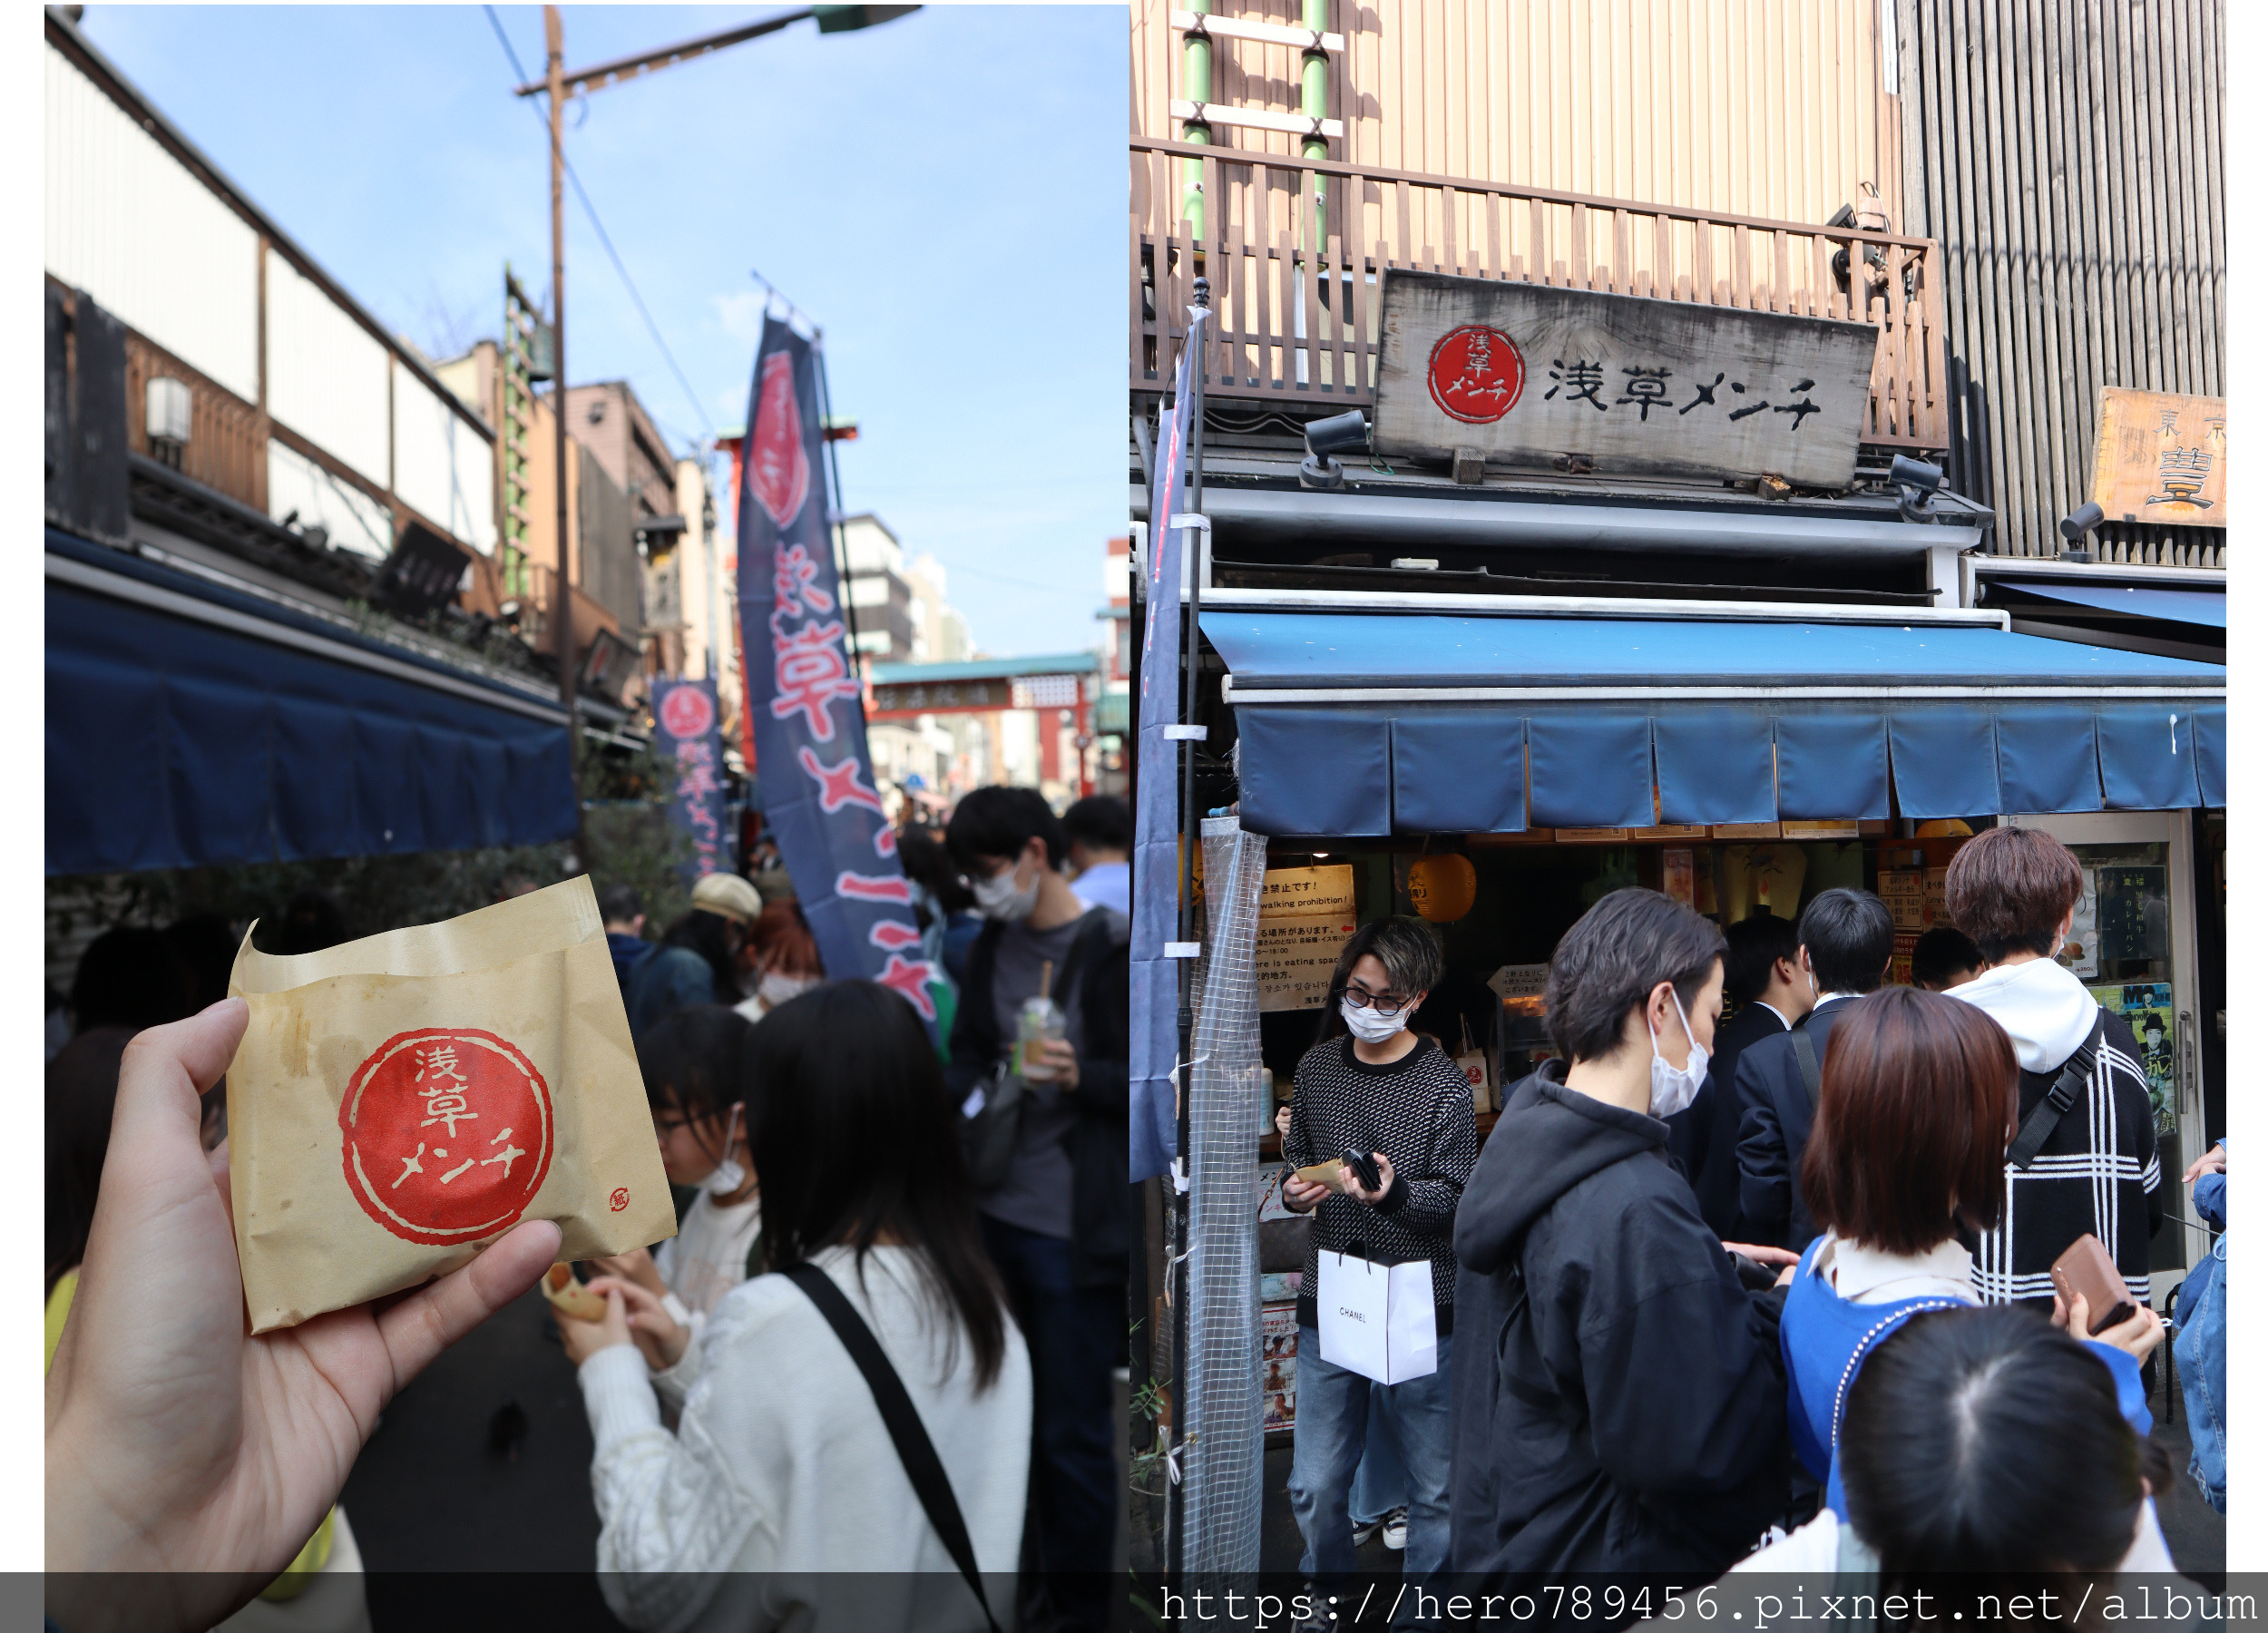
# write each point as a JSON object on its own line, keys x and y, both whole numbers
{"x": 2161, "y": 458}
{"x": 1548, "y": 378}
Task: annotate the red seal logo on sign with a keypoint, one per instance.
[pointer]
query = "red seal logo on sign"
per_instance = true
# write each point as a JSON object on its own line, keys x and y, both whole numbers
{"x": 686, "y": 713}
{"x": 1476, "y": 373}
{"x": 619, "y": 1201}
{"x": 447, "y": 1135}
{"x": 780, "y": 475}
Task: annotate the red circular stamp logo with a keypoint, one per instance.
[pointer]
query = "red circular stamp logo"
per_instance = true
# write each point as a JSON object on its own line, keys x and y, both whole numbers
{"x": 686, "y": 712}
{"x": 1476, "y": 373}
{"x": 619, "y": 1201}
{"x": 446, "y": 1135}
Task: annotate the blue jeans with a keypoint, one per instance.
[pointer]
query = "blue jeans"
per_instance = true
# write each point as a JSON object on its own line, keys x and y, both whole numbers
{"x": 2201, "y": 1354}
{"x": 1328, "y": 1434}
{"x": 1381, "y": 1483}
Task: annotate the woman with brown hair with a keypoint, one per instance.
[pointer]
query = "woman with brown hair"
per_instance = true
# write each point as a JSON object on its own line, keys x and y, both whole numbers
{"x": 1917, "y": 1105}
{"x": 783, "y": 960}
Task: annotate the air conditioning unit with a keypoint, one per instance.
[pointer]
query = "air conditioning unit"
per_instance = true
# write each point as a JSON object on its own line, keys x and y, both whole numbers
{"x": 165, "y": 419}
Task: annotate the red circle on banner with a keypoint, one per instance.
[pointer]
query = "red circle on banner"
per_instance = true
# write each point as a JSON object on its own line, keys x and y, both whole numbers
{"x": 1476, "y": 373}
{"x": 446, "y": 1135}
{"x": 687, "y": 712}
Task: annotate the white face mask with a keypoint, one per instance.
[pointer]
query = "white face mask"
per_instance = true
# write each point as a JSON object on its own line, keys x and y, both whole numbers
{"x": 728, "y": 1176}
{"x": 1671, "y": 1091}
{"x": 1369, "y": 1025}
{"x": 775, "y": 989}
{"x": 998, "y": 897}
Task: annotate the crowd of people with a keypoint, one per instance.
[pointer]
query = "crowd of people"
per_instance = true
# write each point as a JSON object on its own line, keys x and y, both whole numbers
{"x": 1774, "y": 1293}
{"x": 881, "y": 1342}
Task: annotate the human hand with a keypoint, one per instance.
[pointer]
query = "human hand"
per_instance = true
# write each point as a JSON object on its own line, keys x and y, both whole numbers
{"x": 637, "y": 1266}
{"x": 583, "y": 1339}
{"x": 177, "y": 1447}
{"x": 2139, "y": 1334}
{"x": 1354, "y": 1187}
{"x": 650, "y": 1327}
{"x": 2215, "y": 1161}
{"x": 1763, "y": 1256}
{"x": 1054, "y": 1057}
{"x": 1283, "y": 1121}
{"x": 1303, "y": 1195}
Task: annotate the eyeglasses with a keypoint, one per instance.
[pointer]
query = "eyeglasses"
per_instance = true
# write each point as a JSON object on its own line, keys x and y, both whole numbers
{"x": 1384, "y": 1003}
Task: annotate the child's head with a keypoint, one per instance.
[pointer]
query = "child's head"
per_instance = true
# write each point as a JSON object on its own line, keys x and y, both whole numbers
{"x": 690, "y": 1060}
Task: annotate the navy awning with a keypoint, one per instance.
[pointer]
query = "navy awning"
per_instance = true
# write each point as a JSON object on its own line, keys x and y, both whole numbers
{"x": 1380, "y": 723}
{"x": 190, "y": 723}
{"x": 2207, "y": 608}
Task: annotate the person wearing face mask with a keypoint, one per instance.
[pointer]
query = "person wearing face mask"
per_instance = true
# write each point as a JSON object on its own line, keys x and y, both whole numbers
{"x": 784, "y": 960}
{"x": 1626, "y": 1410}
{"x": 1370, "y": 1084}
{"x": 1846, "y": 942}
{"x": 1056, "y": 1222}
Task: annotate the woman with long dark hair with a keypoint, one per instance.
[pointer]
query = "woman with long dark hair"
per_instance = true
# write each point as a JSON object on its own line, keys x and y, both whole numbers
{"x": 782, "y": 1467}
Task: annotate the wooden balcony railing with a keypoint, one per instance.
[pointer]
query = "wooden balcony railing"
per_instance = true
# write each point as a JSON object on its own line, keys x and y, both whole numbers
{"x": 1294, "y": 290}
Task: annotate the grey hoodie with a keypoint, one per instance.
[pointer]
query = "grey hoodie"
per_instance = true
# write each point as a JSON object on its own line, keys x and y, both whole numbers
{"x": 1629, "y": 1410}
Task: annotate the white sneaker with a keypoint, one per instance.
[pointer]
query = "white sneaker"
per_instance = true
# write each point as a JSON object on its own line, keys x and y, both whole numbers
{"x": 1364, "y": 1529}
{"x": 1397, "y": 1530}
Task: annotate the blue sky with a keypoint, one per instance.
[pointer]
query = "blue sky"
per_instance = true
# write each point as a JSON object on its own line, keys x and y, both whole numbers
{"x": 944, "y": 194}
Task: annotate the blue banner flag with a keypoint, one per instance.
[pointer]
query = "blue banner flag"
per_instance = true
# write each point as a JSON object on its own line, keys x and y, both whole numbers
{"x": 686, "y": 731}
{"x": 812, "y": 769}
{"x": 1157, "y": 855}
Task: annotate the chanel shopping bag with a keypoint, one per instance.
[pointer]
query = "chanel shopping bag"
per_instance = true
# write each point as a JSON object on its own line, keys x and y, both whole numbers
{"x": 1375, "y": 1319}
{"x": 400, "y": 1102}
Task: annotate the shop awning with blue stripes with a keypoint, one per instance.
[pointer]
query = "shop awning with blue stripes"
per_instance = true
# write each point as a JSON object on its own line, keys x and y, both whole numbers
{"x": 191, "y": 723}
{"x": 1382, "y": 723}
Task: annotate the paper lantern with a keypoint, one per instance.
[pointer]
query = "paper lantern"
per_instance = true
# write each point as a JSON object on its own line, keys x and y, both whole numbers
{"x": 1442, "y": 888}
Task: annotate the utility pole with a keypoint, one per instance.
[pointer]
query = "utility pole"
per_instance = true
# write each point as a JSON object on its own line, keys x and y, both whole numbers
{"x": 563, "y": 580}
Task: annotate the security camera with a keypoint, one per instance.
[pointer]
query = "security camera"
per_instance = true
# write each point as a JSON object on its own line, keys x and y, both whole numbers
{"x": 2075, "y": 528}
{"x": 1917, "y": 479}
{"x": 1341, "y": 433}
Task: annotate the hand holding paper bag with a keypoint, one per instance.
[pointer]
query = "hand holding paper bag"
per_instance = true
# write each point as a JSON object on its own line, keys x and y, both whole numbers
{"x": 400, "y": 1100}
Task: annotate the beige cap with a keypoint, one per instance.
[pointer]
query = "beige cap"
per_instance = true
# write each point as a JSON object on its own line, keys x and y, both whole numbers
{"x": 728, "y": 895}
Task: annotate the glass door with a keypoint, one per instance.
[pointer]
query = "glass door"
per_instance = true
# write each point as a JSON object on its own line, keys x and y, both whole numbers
{"x": 2134, "y": 942}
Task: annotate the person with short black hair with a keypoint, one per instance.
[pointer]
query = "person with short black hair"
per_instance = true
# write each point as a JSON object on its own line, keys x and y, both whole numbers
{"x": 1371, "y": 1084}
{"x": 1943, "y": 959}
{"x": 699, "y": 960}
{"x": 1846, "y": 940}
{"x": 1917, "y": 1103}
{"x": 2095, "y": 1166}
{"x": 1102, "y": 830}
{"x": 623, "y": 913}
{"x": 1763, "y": 978}
{"x": 1623, "y": 1409}
{"x": 1987, "y": 1443}
{"x": 1056, "y": 1221}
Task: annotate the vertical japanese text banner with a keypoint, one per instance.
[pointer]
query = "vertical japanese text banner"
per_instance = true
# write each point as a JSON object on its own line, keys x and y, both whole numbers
{"x": 686, "y": 728}
{"x": 812, "y": 767}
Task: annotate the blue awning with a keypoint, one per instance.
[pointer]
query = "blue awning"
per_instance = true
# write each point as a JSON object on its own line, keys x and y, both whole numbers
{"x": 189, "y": 723}
{"x": 1380, "y": 723}
{"x": 2208, "y": 608}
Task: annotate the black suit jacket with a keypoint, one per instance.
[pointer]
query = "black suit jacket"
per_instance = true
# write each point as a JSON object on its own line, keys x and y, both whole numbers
{"x": 1705, "y": 1137}
{"x": 1776, "y": 1119}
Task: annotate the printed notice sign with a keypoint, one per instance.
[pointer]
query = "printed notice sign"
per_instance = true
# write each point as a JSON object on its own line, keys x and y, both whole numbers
{"x": 1294, "y": 956}
{"x": 1308, "y": 892}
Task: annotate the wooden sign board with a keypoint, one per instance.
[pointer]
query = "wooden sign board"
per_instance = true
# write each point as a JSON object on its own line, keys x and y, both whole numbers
{"x": 956, "y": 697}
{"x": 1292, "y": 958}
{"x": 2161, "y": 458}
{"x": 1308, "y": 892}
{"x": 1552, "y": 378}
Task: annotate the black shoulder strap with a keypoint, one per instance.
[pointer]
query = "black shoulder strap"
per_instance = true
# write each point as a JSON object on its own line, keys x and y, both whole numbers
{"x": 905, "y": 1424}
{"x": 1806, "y": 1062}
{"x": 2069, "y": 1084}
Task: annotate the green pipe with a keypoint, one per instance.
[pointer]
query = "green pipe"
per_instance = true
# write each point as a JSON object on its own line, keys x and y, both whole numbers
{"x": 1315, "y": 79}
{"x": 1196, "y": 86}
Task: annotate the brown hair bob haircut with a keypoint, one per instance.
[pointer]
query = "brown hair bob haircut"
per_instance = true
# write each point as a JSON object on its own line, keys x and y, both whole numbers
{"x": 1917, "y": 1105}
{"x": 2010, "y": 888}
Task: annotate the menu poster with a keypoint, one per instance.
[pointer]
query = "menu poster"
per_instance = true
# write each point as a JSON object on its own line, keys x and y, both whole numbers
{"x": 1279, "y": 1364}
{"x": 1293, "y": 959}
{"x": 2148, "y": 1008}
{"x": 1902, "y": 891}
{"x": 1901, "y": 945}
{"x": 1677, "y": 875}
{"x": 2131, "y": 913}
{"x": 2082, "y": 954}
{"x": 1933, "y": 898}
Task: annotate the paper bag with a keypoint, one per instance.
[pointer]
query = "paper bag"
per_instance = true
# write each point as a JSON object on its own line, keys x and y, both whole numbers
{"x": 400, "y": 1102}
{"x": 1376, "y": 1319}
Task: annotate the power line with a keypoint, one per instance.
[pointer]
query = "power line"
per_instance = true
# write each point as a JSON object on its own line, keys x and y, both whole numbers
{"x": 700, "y": 414}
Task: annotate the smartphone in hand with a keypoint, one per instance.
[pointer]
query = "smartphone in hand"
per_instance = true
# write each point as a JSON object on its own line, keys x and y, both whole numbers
{"x": 1363, "y": 1168}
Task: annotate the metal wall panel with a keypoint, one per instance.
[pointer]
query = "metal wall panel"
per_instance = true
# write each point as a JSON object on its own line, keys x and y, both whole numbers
{"x": 2067, "y": 155}
{"x": 354, "y": 520}
{"x": 327, "y": 374}
{"x": 443, "y": 468}
{"x": 127, "y": 223}
{"x": 1772, "y": 108}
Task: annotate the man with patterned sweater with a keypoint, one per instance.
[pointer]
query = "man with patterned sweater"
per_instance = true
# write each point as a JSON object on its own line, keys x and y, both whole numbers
{"x": 1372, "y": 1085}
{"x": 2084, "y": 1159}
